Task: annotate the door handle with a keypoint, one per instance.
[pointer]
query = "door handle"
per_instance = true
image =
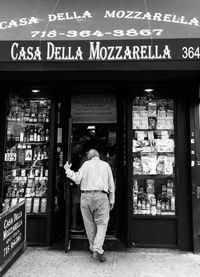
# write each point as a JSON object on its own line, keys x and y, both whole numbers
{"x": 193, "y": 189}
{"x": 198, "y": 192}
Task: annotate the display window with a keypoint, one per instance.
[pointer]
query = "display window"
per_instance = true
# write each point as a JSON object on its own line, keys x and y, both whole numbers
{"x": 25, "y": 170}
{"x": 153, "y": 149}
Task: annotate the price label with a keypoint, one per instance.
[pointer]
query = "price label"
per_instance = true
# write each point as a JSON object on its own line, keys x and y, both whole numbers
{"x": 10, "y": 157}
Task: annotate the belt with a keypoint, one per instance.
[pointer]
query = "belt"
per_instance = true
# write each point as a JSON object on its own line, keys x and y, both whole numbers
{"x": 93, "y": 191}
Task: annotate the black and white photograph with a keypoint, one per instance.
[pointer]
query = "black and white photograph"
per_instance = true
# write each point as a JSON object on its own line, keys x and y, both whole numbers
{"x": 100, "y": 138}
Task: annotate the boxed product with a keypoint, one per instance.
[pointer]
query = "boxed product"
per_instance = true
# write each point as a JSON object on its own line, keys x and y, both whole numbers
{"x": 169, "y": 122}
{"x": 161, "y": 123}
{"x": 149, "y": 163}
{"x": 152, "y": 109}
{"x": 161, "y": 113}
{"x": 169, "y": 165}
{"x": 28, "y": 205}
{"x": 136, "y": 111}
{"x": 170, "y": 113}
{"x": 140, "y": 135}
{"x": 150, "y": 186}
{"x": 137, "y": 146}
{"x": 146, "y": 146}
{"x": 43, "y": 206}
{"x": 36, "y": 205}
{"x": 165, "y": 145}
{"x": 152, "y": 122}
{"x": 137, "y": 166}
{"x": 160, "y": 168}
{"x": 136, "y": 123}
{"x": 14, "y": 201}
{"x": 143, "y": 119}
{"x": 164, "y": 134}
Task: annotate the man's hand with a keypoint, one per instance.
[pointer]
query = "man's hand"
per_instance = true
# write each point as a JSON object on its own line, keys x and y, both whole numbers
{"x": 67, "y": 165}
{"x": 111, "y": 206}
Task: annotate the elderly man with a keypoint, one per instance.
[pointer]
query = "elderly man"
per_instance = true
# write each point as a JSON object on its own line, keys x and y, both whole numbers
{"x": 97, "y": 199}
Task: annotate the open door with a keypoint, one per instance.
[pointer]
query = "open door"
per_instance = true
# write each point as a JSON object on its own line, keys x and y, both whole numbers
{"x": 67, "y": 190}
{"x": 195, "y": 171}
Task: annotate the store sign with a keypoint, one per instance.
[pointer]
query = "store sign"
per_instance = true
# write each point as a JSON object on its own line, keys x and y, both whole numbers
{"x": 101, "y": 51}
{"x": 93, "y": 109}
{"x": 106, "y": 20}
{"x": 12, "y": 233}
{"x": 104, "y": 32}
{"x": 107, "y": 31}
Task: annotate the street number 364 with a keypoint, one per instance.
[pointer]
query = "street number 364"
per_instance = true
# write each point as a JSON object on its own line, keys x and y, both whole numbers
{"x": 190, "y": 52}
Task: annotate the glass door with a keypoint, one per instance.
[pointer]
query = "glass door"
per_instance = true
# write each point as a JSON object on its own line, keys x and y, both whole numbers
{"x": 85, "y": 137}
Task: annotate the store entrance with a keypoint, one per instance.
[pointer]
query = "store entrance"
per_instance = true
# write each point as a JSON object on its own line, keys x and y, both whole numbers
{"x": 101, "y": 136}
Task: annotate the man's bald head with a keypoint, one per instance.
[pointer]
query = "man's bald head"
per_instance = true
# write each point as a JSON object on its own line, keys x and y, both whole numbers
{"x": 92, "y": 153}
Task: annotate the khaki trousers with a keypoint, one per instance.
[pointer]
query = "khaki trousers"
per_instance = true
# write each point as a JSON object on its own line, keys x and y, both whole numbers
{"x": 95, "y": 211}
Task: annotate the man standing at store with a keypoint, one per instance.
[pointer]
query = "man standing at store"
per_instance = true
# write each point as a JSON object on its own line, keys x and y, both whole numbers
{"x": 97, "y": 199}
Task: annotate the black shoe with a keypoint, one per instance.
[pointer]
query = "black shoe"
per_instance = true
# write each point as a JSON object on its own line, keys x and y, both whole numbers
{"x": 78, "y": 229}
{"x": 96, "y": 255}
{"x": 91, "y": 252}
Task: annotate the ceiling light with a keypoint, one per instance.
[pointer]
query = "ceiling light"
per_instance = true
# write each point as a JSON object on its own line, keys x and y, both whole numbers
{"x": 149, "y": 89}
{"x": 35, "y": 90}
{"x": 91, "y": 127}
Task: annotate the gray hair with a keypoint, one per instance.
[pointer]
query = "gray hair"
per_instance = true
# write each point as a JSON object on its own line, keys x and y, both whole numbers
{"x": 92, "y": 153}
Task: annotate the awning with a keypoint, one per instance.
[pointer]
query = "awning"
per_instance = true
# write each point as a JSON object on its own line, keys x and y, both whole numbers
{"x": 106, "y": 30}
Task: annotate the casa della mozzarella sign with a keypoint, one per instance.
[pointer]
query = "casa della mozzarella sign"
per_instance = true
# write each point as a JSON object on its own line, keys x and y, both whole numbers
{"x": 95, "y": 51}
{"x": 88, "y": 51}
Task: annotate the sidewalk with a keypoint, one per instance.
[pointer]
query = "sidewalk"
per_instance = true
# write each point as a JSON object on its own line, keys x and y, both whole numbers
{"x": 43, "y": 261}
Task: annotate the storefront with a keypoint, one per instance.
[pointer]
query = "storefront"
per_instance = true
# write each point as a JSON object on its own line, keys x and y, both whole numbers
{"x": 123, "y": 78}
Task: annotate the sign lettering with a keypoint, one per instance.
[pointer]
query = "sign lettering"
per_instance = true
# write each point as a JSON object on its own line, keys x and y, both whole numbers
{"x": 12, "y": 228}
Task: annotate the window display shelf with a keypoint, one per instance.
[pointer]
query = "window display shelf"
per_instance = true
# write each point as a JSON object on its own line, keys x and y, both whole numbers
{"x": 165, "y": 216}
{"x": 26, "y": 155}
{"x": 170, "y": 130}
{"x": 42, "y": 215}
{"x": 149, "y": 176}
{"x": 153, "y": 156}
{"x": 149, "y": 153}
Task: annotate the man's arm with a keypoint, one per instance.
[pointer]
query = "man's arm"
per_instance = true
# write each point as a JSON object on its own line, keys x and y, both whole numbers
{"x": 111, "y": 188}
{"x": 74, "y": 176}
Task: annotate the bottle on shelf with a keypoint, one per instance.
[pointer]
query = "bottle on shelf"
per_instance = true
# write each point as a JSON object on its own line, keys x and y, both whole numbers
{"x": 39, "y": 135}
{"x": 27, "y": 134}
{"x": 169, "y": 188}
{"x": 27, "y": 113}
{"x": 153, "y": 205}
{"x": 173, "y": 203}
{"x": 143, "y": 207}
{"x": 139, "y": 207}
{"x": 35, "y": 133}
{"x": 42, "y": 134}
{"x": 21, "y": 136}
{"x": 31, "y": 135}
{"x": 158, "y": 208}
{"x": 47, "y": 135}
{"x": 45, "y": 152}
{"x": 47, "y": 117}
{"x": 9, "y": 133}
{"x": 148, "y": 207}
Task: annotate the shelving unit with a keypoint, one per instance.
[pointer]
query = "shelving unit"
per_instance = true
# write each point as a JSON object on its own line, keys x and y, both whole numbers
{"x": 153, "y": 147}
{"x": 26, "y": 161}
